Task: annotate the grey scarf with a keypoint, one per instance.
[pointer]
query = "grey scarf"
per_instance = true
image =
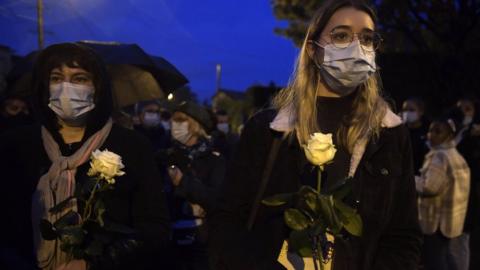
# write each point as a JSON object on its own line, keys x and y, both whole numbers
{"x": 54, "y": 187}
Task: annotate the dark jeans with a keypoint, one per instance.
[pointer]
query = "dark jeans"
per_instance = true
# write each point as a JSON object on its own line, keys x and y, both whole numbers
{"x": 442, "y": 253}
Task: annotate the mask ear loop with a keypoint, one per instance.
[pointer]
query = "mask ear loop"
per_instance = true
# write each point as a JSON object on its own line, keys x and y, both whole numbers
{"x": 452, "y": 125}
{"x": 312, "y": 52}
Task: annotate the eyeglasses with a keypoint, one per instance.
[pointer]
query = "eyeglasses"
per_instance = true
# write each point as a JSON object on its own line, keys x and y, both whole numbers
{"x": 342, "y": 37}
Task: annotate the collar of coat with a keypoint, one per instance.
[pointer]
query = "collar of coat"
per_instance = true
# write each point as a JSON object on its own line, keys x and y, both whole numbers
{"x": 284, "y": 121}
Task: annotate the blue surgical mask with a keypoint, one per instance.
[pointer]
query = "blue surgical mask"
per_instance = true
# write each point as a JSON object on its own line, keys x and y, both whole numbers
{"x": 223, "y": 127}
{"x": 180, "y": 131}
{"x": 344, "y": 69}
{"x": 71, "y": 101}
{"x": 151, "y": 119}
{"x": 165, "y": 124}
{"x": 410, "y": 117}
{"x": 467, "y": 120}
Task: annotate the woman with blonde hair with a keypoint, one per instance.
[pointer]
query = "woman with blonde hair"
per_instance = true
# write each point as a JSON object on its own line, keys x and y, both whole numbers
{"x": 334, "y": 89}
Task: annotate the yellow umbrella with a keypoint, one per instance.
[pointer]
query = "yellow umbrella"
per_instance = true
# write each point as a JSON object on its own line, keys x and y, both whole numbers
{"x": 131, "y": 84}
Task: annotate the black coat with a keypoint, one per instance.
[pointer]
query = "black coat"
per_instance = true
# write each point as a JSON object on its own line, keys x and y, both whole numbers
{"x": 137, "y": 201}
{"x": 384, "y": 184}
{"x": 203, "y": 170}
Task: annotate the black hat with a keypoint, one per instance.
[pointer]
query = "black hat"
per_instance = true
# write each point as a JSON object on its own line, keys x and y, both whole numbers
{"x": 197, "y": 112}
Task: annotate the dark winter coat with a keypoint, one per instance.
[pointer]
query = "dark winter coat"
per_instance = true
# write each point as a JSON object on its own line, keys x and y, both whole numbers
{"x": 203, "y": 171}
{"x": 137, "y": 201}
{"x": 383, "y": 183}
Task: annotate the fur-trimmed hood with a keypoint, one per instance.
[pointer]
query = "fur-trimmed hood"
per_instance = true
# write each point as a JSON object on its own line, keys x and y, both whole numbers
{"x": 284, "y": 121}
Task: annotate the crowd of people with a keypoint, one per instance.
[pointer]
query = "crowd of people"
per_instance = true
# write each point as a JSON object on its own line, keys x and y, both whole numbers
{"x": 190, "y": 188}
{"x": 446, "y": 154}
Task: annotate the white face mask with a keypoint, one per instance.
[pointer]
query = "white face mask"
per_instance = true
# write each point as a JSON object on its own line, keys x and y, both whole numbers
{"x": 410, "y": 117}
{"x": 223, "y": 127}
{"x": 151, "y": 119}
{"x": 165, "y": 124}
{"x": 71, "y": 101}
{"x": 467, "y": 120}
{"x": 180, "y": 131}
{"x": 345, "y": 69}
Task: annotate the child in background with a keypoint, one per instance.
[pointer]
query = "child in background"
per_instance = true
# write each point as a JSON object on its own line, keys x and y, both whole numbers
{"x": 443, "y": 187}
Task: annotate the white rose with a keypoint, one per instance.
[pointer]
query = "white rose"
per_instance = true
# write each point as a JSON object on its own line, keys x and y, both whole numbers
{"x": 320, "y": 149}
{"x": 106, "y": 164}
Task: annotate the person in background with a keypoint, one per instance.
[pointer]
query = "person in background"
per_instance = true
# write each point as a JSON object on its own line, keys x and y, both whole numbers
{"x": 5, "y": 66}
{"x": 413, "y": 115}
{"x": 469, "y": 109}
{"x": 196, "y": 172}
{"x": 151, "y": 125}
{"x": 165, "y": 117}
{"x": 14, "y": 112}
{"x": 43, "y": 165}
{"x": 224, "y": 140}
{"x": 443, "y": 187}
{"x": 468, "y": 140}
{"x": 123, "y": 119}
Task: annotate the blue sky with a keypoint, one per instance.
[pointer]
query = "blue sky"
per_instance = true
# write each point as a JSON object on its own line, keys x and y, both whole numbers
{"x": 193, "y": 35}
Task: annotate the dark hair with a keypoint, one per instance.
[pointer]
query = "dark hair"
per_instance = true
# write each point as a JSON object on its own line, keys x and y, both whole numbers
{"x": 72, "y": 55}
{"x": 221, "y": 112}
{"x": 452, "y": 119}
{"x": 418, "y": 101}
{"x": 326, "y": 11}
{"x": 476, "y": 105}
{"x": 197, "y": 112}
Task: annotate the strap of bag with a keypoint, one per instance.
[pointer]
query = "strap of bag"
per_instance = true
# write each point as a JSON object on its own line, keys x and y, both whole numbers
{"x": 263, "y": 184}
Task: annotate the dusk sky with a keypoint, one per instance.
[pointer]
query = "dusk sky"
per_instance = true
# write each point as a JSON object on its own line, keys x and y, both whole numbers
{"x": 192, "y": 35}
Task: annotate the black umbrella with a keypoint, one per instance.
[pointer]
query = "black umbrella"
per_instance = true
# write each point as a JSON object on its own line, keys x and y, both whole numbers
{"x": 21, "y": 65}
{"x": 113, "y": 53}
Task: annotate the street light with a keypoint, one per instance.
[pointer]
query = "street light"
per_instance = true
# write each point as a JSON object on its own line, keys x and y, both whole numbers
{"x": 219, "y": 75}
{"x": 170, "y": 97}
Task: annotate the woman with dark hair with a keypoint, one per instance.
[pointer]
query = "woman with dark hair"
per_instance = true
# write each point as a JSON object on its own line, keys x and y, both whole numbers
{"x": 335, "y": 90}
{"x": 46, "y": 165}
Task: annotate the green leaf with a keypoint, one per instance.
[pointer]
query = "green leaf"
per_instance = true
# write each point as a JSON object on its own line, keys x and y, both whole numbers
{"x": 47, "y": 230}
{"x": 306, "y": 190}
{"x": 69, "y": 219}
{"x": 346, "y": 210}
{"x": 319, "y": 227}
{"x": 95, "y": 248}
{"x": 72, "y": 235}
{"x": 311, "y": 200}
{"x": 99, "y": 209}
{"x": 299, "y": 242}
{"x": 60, "y": 206}
{"x": 120, "y": 228}
{"x": 277, "y": 200}
{"x": 295, "y": 219}
{"x": 328, "y": 212}
{"x": 78, "y": 253}
{"x": 341, "y": 191}
{"x": 354, "y": 225}
{"x": 103, "y": 238}
{"x": 307, "y": 201}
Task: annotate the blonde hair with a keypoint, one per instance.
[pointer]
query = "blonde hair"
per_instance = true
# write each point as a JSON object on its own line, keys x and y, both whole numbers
{"x": 300, "y": 95}
{"x": 196, "y": 129}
